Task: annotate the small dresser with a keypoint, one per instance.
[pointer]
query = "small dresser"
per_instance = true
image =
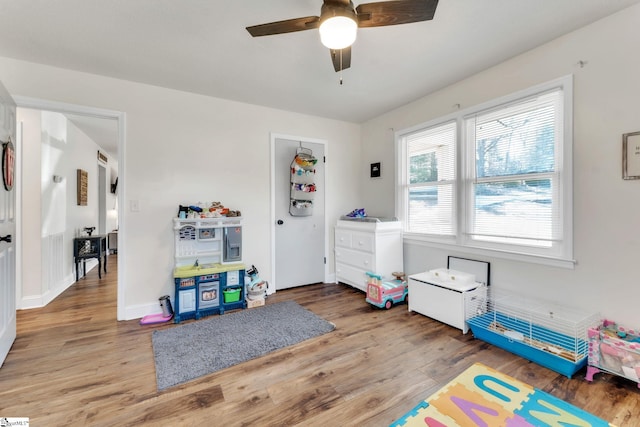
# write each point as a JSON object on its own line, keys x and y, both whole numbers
{"x": 367, "y": 244}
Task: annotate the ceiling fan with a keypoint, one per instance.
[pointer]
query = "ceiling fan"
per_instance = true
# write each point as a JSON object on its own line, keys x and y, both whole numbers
{"x": 339, "y": 20}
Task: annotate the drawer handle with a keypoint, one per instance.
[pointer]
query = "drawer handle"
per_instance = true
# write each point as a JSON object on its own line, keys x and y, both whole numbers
{"x": 366, "y": 263}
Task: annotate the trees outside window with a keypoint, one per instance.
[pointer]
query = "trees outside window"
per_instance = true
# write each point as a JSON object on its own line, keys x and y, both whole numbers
{"x": 502, "y": 183}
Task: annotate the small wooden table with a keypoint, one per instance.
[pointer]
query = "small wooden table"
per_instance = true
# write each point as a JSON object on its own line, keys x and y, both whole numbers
{"x": 90, "y": 247}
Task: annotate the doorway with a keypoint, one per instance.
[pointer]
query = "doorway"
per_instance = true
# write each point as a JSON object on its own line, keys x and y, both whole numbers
{"x": 96, "y": 116}
{"x": 299, "y": 253}
{"x": 102, "y": 199}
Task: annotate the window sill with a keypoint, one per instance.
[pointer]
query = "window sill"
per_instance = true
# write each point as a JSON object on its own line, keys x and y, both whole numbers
{"x": 417, "y": 240}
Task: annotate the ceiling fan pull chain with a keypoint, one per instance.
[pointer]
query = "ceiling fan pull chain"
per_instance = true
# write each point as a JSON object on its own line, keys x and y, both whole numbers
{"x": 340, "y": 67}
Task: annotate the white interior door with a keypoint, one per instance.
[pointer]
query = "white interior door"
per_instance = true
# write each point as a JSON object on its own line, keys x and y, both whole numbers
{"x": 299, "y": 240}
{"x": 7, "y": 224}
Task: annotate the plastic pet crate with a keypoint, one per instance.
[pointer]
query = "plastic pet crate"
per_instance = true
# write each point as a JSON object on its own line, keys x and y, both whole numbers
{"x": 546, "y": 333}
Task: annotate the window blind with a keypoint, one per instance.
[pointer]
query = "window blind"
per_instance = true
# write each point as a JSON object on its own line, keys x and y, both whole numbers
{"x": 514, "y": 196}
{"x": 431, "y": 180}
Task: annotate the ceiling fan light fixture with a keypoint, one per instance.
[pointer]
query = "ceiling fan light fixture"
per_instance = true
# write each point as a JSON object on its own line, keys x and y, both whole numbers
{"x": 338, "y": 32}
{"x": 340, "y": 20}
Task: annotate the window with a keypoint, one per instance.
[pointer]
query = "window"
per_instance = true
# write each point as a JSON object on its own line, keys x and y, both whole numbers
{"x": 431, "y": 180}
{"x": 494, "y": 177}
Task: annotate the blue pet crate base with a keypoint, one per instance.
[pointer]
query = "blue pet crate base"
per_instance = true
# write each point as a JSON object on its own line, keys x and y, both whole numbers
{"x": 479, "y": 328}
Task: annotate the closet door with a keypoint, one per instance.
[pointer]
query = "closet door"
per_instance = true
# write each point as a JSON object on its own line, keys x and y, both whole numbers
{"x": 7, "y": 224}
{"x": 299, "y": 240}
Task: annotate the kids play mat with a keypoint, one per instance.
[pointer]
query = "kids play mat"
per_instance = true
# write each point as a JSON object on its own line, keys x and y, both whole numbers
{"x": 482, "y": 396}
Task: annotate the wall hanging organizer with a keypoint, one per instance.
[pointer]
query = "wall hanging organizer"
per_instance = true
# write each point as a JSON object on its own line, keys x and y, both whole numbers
{"x": 303, "y": 187}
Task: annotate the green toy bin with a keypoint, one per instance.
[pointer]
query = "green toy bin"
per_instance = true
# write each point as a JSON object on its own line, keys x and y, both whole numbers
{"x": 231, "y": 295}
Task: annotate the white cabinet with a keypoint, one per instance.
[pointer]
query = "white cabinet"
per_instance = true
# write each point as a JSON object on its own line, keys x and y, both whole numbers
{"x": 367, "y": 244}
{"x": 187, "y": 301}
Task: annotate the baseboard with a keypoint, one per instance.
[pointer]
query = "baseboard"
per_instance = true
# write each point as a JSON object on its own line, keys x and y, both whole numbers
{"x": 39, "y": 301}
{"x": 140, "y": 310}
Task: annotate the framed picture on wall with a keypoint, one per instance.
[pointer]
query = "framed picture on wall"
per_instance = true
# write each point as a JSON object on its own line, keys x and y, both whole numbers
{"x": 83, "y": 185}
{"x": 8, "y": 164}
{"x": 375, "y": 170}
{"x": 631, "y": 155}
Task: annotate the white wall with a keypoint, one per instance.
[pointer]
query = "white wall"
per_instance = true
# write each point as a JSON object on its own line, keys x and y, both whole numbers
{"x": 181, "y": 148}
{"x": 31, "y": 216}
{"x": 53, "y": 195}
{"x": 606, "y": 93}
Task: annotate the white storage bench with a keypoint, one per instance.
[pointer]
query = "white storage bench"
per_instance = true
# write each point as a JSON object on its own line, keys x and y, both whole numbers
{"x": 450, "y": 294}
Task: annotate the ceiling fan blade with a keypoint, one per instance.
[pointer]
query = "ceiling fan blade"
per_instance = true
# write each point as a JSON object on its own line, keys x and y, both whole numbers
{"x": 286, "y": 26}
{"x": 341, "y": 62}
{"x": 344, "y": 2}
{"x": 395, "y": 12}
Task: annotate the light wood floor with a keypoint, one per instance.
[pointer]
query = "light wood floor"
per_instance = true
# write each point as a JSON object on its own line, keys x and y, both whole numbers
{"x": 73, "y": 364}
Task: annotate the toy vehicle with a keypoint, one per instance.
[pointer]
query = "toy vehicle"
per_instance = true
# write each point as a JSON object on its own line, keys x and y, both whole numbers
{"x": 386, "y": 294}
{"x": 256, "y": 288}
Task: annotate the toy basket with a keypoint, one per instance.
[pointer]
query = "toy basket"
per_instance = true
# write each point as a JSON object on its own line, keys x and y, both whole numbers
{"x": 231, "y": 295}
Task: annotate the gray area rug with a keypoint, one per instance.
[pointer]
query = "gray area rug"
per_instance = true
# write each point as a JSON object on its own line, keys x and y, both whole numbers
{"x": 189, "y": 351}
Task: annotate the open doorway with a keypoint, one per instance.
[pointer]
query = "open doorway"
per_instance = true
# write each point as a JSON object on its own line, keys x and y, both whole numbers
{"x": 102, "y": 199}
{"x": 72, "y": 139}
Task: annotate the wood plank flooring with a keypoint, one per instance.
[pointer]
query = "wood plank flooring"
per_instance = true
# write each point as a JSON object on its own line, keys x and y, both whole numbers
{"x": 74, "y": 364}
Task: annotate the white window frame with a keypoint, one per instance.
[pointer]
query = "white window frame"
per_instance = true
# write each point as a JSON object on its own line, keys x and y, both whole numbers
{"x": 441, "y": 182}
{"x": 559, "y": 255}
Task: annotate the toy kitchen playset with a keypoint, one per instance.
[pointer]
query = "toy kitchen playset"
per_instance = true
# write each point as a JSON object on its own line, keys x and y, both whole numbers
{"x": 209, "y": 275}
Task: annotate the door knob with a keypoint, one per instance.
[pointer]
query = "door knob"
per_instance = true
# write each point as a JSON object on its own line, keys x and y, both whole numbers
{"x": 280, "y": 222}
{"x": 6, "y": 238}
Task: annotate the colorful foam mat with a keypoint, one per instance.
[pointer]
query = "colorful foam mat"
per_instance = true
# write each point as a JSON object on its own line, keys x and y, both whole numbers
{"x": 482, "y": 396}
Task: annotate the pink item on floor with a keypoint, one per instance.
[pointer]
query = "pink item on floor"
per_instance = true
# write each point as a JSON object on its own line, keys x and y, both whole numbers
{"x": 151, "y": 319}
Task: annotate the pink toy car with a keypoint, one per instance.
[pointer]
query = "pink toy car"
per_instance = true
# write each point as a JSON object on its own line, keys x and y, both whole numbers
{"x": 386, "y": 294}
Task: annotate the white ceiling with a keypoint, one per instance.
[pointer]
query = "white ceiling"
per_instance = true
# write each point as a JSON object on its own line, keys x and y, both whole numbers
{"x": 104, "y": 132}
{"x": 202, "y": 46}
